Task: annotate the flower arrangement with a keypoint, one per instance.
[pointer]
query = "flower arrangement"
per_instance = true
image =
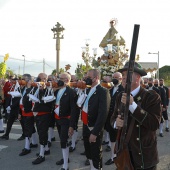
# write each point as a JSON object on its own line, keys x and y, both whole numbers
{"x": 110, "y": 63}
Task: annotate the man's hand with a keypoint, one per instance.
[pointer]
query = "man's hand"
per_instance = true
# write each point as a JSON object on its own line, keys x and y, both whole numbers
{"x": 119, "y": 122}
{"x": 92, "y": 138}
{"x": 70, "y": 131}
{"x": 123, "y": 99}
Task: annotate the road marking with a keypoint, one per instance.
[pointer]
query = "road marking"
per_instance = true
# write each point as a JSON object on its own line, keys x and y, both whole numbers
{"x": 2, "y": 147}
{"x": 14, "y": 136}
{"x": 14, "y": 126}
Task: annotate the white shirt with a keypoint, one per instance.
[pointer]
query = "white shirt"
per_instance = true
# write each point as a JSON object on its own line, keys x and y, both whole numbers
{"x": 133, "y": 106}
{"x": 115, "y": 89}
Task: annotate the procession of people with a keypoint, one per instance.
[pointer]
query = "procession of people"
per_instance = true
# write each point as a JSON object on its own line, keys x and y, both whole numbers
{"x": 60, "y": 102}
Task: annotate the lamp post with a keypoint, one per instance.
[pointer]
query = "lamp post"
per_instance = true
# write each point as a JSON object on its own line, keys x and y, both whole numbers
{"x": 24, "y": 64}
{"x": 57, "y": 30}
{"x": 86, "y": 55}
{"x": 158, "y": 63}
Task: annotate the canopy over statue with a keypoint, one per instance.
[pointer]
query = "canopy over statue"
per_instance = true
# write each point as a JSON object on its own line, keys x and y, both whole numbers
{"x": 111, "y": 36}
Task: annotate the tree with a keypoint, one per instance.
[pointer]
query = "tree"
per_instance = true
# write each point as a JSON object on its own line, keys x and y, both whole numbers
{"x": 164, "y": 73}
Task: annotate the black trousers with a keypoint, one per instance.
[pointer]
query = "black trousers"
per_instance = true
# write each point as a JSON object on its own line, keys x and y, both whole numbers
{"x": 42, "y": 123}
{"x": 77, "y": 119}
{"x": 28, "y": 122}
{"x": 112, "y": 132}
{"x": 52, "y": 120}
{"x": 11, "y": 119}
{"x": 62, "y": 127}
{"x": 22, "y": 125}
{"x": 165, "y": 115}
{"x": 93, "y": 150}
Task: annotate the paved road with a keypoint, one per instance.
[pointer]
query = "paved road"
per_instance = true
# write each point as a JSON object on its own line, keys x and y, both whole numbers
{"x": 9, "y": 150}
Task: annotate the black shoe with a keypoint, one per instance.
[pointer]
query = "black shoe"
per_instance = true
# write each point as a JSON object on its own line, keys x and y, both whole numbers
{"x": 109, "y": 162}
{"x": 71, "y": 149}
{"x": 167, "y": 129}
{"x": 21, "y": 138}
{"x": 87, "y": 162}
{"x": 105, "y": 143}
{"x": 53, "y": 139}
{"x": 49, "y": 144}
{"x": 63, "y": 169}
{"x": 25, "y": 152}
{"x": 45, "y": 153}
{"x": 61, "y": 162}
{"x": 5, "y": 137}
{"x": 83, "y": 153}
{"x": 161, "y": 135}
{"x": 39, "y": 160}
{"x": 1, "y": 131}
{"x": 108, "y": 149}
{"x": 33, "y": 145}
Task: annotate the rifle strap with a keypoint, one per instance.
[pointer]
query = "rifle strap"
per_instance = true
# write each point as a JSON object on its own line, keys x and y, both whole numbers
{"x": 143, "y": 94}
{"x": 130, "y": 131}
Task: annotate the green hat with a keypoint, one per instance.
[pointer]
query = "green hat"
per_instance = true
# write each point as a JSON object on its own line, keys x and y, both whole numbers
{"x": 137, "y": 68}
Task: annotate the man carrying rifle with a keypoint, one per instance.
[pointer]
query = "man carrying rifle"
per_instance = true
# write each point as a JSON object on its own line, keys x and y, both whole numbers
{"x": 143, "y": 120}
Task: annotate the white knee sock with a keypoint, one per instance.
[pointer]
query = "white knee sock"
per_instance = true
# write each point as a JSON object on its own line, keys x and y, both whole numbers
{"x": 106, "y": 136}
{"x": 74, "y": 138}
{"x": 1, "y": 124}
{"x": 42, "y": 150}
{"x": 65, "y": 152}
{"x": 27, "y": 143}
{"x": 161, "y": 128}
{"x": 46, "y": 148}
{"x": 112, "y": 150}
{"x": 166, "y": 122}
{"x": 50, "y": 133}
{"x": 34, "y": 138}
{"x": 91, "y": 165}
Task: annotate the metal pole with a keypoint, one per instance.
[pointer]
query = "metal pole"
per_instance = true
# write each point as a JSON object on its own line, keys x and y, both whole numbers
{"x": 57, "y": 35}
{"x": 24, "y": 64}
{"x": 43, "y": 65}
{"x": 58, "y": 53}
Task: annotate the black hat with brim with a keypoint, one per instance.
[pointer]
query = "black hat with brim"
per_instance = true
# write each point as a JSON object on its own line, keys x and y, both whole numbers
{"x": 137, "y": 69}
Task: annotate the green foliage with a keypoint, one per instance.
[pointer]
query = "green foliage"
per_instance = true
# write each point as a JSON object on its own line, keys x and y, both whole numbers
{"x": 60, "y": 71}
{"x": 54, "y": 72}
{"x": 164, "y": 72}
{"x": 9, "y": 72}
{"x": 2, "y": 69}
{"x": 81, "y": 70}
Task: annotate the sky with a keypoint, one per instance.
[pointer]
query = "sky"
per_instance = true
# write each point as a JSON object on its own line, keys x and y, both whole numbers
{"x": 25, "y": 29}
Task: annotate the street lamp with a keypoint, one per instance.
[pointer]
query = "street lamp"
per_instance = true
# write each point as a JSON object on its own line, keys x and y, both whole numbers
{"x": 57, "y": 30}
{"x": 24, "y": 64}
{"x": 158, "y": 63}
{"x": 86, "y": 55}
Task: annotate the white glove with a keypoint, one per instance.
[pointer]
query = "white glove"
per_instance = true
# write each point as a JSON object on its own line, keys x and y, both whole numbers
{"x": 8, "y": 108}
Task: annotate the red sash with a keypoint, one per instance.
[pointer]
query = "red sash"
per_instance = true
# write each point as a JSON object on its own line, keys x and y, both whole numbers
{"x": 84, "y": 117}
{"x": 23, "y": 113}
{"x": 58, "y": 117}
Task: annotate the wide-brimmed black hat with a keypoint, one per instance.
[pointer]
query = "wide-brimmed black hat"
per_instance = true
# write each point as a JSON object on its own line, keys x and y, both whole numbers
{"x": 137, "y": 68}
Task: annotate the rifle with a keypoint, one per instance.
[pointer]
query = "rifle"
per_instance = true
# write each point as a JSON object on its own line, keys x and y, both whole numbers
{"x": 121, "y": 136}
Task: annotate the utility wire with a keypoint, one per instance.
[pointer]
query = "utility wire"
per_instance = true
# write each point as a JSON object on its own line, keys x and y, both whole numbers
{"x": 23, "y": 60}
